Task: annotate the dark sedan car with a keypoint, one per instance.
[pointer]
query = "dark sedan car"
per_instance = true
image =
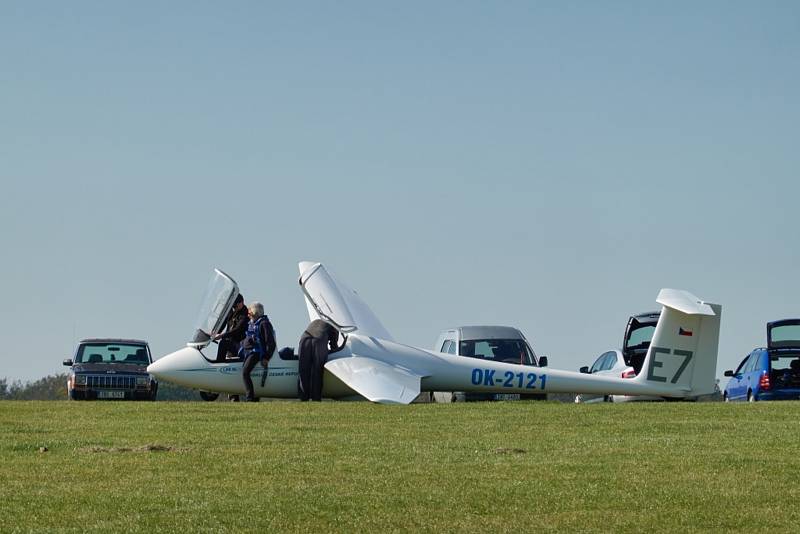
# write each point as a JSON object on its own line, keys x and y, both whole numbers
{"x": 111, "y": 369}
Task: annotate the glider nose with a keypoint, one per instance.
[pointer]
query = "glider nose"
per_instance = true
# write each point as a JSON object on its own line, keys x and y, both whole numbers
{"x": 175, "y": 364}
{"x": 159, "y": 367}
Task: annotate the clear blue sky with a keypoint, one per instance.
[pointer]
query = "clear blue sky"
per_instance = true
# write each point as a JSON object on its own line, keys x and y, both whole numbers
{"x": 548, "y": 165}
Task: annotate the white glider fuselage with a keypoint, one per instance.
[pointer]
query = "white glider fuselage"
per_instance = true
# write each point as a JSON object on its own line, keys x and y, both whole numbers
{"x": 442, "y": 372}
{"x": 439, "y": 372}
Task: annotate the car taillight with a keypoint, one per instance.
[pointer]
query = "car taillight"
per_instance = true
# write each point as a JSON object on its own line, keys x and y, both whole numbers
{"x": 763, "y": 382}
{"x": 629, "y": 373}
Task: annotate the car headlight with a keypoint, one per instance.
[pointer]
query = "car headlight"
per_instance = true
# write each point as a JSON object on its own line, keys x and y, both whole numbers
{"x": 142, "y": 380}
{"x": 80, "y": 380}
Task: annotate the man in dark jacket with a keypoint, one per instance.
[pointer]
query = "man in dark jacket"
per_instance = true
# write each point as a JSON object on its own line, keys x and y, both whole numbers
{"x": 315, "y": 343}
{"x": 235, "y": 329}
{"x": 258, "y": 346}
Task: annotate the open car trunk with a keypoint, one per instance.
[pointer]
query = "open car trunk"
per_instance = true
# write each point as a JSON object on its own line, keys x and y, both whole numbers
{"x": 784, "y": 334}
{"x": 784, "y": 370}
{"x": 638, "y": 334}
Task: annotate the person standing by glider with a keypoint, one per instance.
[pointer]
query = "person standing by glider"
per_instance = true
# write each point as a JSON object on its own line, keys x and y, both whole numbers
{"x": 258, "y": 346}
{"x": 315, "y": 343}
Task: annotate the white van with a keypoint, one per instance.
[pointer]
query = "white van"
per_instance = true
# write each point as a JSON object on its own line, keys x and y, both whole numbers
{"x": 494, "y": 343}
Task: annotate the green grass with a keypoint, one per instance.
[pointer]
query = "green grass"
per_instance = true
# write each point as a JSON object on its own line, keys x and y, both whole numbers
{"x": 351, "y": 467}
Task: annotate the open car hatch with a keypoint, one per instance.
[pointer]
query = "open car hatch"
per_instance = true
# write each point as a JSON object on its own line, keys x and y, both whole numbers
{"x": 783, "y": 334}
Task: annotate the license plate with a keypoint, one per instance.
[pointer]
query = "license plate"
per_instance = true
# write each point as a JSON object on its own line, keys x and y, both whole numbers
{"x": 506, "y": 396}
{"x": 110, "y": 394}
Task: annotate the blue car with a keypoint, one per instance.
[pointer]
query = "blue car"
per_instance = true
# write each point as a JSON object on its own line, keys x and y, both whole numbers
{"x": 771, "y": 372}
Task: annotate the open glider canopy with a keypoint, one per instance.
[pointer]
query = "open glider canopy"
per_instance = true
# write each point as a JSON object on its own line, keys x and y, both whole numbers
{"x": 217, "y": 302}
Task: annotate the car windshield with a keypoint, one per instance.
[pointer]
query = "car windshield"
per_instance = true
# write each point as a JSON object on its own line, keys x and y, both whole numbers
{"x": 498, "y": 350}
{"x": 113, "y": 353}
{"x": 218, "y": 300}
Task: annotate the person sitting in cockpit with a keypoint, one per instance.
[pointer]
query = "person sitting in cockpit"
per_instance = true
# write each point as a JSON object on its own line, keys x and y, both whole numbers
{"x": 235, "y": 330}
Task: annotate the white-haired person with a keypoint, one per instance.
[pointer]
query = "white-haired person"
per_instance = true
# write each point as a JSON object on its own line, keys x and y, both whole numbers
{"x": 257, "y": 346}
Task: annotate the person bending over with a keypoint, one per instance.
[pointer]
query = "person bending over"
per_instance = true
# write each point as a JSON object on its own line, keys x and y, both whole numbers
{"x": 315, "y": 343}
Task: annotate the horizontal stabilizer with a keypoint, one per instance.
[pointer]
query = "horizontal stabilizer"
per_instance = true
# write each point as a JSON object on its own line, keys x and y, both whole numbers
{"x": 375, "y": 380}
{"x": 683, "y": 301}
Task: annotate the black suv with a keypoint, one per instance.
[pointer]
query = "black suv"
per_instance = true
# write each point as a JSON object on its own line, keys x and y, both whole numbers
{"x": 111, "y": 369}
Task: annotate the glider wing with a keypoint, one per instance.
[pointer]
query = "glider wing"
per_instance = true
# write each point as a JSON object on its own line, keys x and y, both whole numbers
{"x": 375, "y": 380}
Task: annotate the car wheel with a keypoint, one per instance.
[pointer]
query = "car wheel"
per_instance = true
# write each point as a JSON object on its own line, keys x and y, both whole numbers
{"x": 725, "y": 398}
{"x": 751, "y": 397}
{"x": 208, "y": 396}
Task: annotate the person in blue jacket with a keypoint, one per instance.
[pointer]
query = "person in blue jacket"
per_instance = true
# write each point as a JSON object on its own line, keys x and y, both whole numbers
{"x": 257, "y": 346}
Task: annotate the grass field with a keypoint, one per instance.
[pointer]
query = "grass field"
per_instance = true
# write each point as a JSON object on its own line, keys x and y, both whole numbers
{"x": 351, "y": 467}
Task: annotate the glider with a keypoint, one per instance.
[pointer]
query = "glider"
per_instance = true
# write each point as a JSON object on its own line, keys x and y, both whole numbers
{"x": 680, "y": 361}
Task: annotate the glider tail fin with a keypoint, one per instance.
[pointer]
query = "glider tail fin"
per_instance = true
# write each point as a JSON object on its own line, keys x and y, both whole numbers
{"x": 682, "y": 357}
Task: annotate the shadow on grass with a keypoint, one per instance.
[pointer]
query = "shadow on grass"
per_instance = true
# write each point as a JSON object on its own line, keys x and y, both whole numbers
{"x": 143, "y": 448}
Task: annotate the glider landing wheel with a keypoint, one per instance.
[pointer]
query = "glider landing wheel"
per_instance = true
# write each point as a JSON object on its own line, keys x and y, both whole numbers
{"x": 209, "y": 396}
{"x": 725, "y": 397}
{"x": 751, "y": 397}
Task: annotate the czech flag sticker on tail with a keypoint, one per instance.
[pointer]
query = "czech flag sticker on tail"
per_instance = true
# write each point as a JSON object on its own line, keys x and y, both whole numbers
{"x": 684, "y": 332}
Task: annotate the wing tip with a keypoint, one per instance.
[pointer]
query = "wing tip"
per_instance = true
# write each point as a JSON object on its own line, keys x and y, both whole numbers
{"x": 305, "y": 265}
